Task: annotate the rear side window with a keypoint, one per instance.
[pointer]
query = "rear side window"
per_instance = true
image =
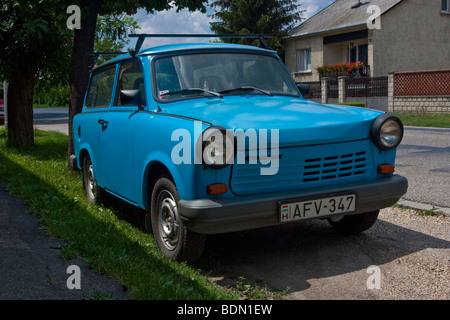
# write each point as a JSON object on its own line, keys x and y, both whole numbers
{"x": 101, "y": 88}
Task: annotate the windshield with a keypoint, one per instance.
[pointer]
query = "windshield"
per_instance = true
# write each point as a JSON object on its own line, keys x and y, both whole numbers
{"x": 189, "y": 76}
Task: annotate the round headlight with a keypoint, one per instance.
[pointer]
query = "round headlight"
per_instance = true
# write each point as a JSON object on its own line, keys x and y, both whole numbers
{"x": 387, "y": 132}
{"x": 218, "y": 148}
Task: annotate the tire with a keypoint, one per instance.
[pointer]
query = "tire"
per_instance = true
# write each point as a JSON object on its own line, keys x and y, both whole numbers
{"x": 356, "y": 223}
{"x": 94, "y": 193}
{"x": 174, "y": 240}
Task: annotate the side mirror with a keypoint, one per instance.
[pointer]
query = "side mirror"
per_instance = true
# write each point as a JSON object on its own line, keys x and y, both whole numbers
{"x": 304, "y": 89}
{"x": 131, "y": 98}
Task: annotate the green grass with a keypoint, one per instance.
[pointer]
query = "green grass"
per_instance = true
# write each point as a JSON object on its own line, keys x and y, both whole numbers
{"x": 425, "y": 120}
{"x": 353, "y": 104}
{"x": 48, "y": 106}
{"x": 111, "y": 245}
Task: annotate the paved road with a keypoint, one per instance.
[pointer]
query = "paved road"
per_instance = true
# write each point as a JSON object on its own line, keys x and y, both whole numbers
{"x": 424, "y": 158}
{"x": 30, "y": 266}
{"x": 52, "y": 119}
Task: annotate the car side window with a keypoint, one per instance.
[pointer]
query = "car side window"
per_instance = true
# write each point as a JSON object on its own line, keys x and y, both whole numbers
{"x": 131, "y": 77}
{"x": 101, "y": 87}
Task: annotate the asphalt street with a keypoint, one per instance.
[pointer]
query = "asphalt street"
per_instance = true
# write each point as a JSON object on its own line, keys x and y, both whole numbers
{"x": 424, "y": 158}
{"x": 30, "y": 265}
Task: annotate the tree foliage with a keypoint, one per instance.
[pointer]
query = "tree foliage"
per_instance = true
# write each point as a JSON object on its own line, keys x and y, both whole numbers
{"x": 85, "y": 37}
{"x": 274, "y": 17}
{"x": 111, "y": 34}
{"x": 36, "y": 44}
{"x": 34, "y": 38}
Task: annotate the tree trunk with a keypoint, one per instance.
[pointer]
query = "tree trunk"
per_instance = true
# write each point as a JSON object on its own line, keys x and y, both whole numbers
{"x": 20, "y": 105}
{"x": 83, "y": 42}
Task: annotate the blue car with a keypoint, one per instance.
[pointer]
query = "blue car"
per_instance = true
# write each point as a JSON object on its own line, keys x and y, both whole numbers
{"x": 217, "y": 138}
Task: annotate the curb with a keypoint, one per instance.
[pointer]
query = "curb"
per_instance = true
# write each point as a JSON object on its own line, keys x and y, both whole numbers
{"x": 423, "y": 206}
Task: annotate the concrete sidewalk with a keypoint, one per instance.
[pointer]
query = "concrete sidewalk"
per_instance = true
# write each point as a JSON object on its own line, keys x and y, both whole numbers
{"x": 30, "y": 267}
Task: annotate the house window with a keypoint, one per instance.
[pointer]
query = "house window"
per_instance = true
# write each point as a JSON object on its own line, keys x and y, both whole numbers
{"x": 358, "y": 53}
{"x": 445, "y": 6}
{"x": 304, "y": 60}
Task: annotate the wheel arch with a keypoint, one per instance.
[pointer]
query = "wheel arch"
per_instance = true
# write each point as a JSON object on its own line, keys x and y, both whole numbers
{"x": 153, "y": 171}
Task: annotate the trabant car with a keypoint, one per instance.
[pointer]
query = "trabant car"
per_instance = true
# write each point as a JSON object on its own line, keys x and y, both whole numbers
{"x": 217, "y": 138}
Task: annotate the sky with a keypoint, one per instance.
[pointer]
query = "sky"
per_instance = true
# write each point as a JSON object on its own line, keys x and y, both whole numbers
{"x": 196, "y": 22}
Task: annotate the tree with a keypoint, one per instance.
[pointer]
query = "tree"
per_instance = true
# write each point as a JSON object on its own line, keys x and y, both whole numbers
{"x": 274, "y": 17}
{"x": 84, "y": 40}
{"x": 34, "y": 38}
{"x": 111, "y": 34}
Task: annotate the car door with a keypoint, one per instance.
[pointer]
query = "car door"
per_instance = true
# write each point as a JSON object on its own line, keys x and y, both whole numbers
{"x": 117, "y": 132}
{"x": 86, "y": 127}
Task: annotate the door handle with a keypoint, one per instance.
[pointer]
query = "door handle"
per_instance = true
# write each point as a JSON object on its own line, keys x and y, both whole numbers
{"x": 101, "y": 121}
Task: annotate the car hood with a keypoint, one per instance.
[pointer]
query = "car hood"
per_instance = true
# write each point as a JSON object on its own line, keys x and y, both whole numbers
{"x": 299, "y": 121}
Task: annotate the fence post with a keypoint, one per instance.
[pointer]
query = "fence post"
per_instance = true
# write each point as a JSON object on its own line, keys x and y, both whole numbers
{"x": 324, "y": 87}
{"x": 341, "y": 86}
{"x": 391, "y": 89}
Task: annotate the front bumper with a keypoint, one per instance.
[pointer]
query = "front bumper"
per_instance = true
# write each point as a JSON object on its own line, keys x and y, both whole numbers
{"x": 210, "y": 216}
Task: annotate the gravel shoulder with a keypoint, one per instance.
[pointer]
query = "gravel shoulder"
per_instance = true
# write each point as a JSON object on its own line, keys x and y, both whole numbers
{"x": 312, "y": 262}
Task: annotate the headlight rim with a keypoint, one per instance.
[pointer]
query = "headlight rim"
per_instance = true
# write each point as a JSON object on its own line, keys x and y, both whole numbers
{"x": 202, "y": 142}
{"x": 376, "y": 131}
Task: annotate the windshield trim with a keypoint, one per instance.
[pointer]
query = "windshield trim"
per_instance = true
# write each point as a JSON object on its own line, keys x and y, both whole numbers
{"x": 271, "y": 54}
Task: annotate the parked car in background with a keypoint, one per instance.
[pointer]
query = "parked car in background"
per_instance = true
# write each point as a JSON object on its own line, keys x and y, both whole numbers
{"x": 217, "y": 138}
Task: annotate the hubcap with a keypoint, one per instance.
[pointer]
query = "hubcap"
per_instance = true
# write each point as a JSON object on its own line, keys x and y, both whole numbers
{"x": 91, "y": 182}
{"x": 168, "y": 220}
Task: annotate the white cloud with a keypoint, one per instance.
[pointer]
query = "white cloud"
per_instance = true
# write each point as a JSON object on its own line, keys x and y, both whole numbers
{"x": 173, "y": 22}
{"x": 313, "y": 6}
{"x": 186, "y": 22}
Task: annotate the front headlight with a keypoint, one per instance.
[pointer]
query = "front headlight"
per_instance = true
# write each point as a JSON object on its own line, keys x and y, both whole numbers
{"x": 218, "y": 148}
{"x": 387, "y": 131}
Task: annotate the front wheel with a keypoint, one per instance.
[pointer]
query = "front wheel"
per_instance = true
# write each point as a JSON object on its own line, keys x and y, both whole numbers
{"x": 355, "y": 223}
{"x": 173, "y": 239}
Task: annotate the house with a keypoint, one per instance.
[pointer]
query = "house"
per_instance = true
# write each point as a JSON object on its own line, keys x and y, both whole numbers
{"x": 407, "y": 35}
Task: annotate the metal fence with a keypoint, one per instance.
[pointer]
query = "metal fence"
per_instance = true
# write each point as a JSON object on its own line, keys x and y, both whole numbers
{"x": 366, "y": 87}
{"x": 333, "y": 88}
{"x": 315, "y": 90}
{"x": 354, "y": 87}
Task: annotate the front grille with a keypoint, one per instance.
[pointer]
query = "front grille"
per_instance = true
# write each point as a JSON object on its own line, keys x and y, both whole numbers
{"x": 334, "y": 167}
{"x": 307, "y": 167}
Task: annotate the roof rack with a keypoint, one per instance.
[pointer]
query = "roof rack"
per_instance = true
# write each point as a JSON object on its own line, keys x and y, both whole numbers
{"x": 141, "y": 37}
{"x": 98, "y": 54}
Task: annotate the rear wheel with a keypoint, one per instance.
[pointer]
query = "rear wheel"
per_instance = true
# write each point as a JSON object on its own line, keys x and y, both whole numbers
{"x": 94, "y": 193}
{"x": 356, "y": 223}
{"x": 173, "y": 239}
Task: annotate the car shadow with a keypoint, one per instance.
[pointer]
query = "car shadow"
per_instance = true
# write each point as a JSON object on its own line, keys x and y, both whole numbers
{"x": 288, "y": 257}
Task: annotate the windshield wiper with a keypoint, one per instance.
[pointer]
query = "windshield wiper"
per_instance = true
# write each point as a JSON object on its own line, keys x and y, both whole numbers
{"x": 248, "y": 88}
{"x": 190, "y": 90}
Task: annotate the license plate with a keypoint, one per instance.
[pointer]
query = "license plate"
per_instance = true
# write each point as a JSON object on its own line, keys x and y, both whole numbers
{"x": 290, "y": 211}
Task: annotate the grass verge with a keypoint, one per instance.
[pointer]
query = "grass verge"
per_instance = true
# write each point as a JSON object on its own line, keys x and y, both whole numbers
{"x": 109, "y": 244}
{"x": 425, "y": 120}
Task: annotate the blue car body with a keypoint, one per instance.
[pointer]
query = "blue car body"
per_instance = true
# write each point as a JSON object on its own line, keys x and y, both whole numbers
{"x": 324, "y": 150}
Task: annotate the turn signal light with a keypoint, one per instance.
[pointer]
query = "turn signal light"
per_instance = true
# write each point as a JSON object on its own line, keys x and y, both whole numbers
{"x": 386, "y": 168}
{"x": 218, "y": 188}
